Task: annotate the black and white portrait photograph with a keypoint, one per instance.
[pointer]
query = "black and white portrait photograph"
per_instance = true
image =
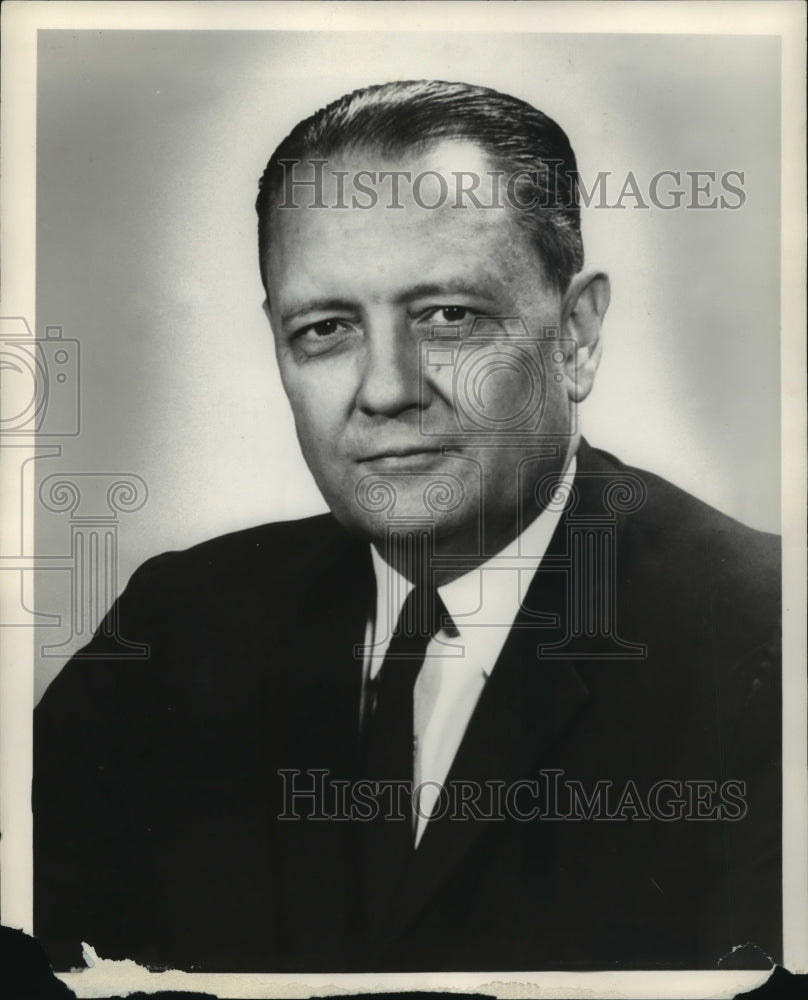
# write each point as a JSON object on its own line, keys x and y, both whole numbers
{"x": 403, "y": 483}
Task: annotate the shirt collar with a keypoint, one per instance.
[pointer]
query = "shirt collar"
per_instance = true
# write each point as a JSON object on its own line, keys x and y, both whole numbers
{"x": 495, "y": 606}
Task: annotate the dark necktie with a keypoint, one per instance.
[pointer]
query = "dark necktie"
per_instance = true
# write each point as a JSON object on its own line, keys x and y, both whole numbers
{"x": 388, "y": 749}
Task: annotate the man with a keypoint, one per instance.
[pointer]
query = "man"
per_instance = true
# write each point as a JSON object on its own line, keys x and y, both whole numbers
{"x": 512, "y": 705}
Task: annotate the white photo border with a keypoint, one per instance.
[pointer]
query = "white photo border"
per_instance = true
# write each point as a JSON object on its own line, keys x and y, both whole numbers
{"x": 21, "y": 21}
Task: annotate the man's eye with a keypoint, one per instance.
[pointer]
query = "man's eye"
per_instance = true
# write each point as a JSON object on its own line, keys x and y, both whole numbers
{"x": 453, "y": 314}
{"x": 325, "y": 328}
{"x": 324, "y": 336}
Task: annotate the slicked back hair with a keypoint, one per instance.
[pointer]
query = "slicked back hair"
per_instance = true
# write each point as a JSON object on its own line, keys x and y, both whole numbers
{"x": 395, "y": 118}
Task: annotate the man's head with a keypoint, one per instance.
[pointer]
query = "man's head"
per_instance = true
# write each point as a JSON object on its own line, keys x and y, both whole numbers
{"x": 433, "y": 327}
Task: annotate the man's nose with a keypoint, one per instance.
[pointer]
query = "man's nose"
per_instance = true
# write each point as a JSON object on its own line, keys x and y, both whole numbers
{"x": 390, "y": 382}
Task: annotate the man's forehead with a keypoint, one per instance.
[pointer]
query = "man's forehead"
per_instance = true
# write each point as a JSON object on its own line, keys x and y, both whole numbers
{"x": 388, "y": 255}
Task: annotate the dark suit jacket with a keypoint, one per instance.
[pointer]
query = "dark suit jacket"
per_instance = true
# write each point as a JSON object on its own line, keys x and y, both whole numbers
{"x": 157, "y": 793}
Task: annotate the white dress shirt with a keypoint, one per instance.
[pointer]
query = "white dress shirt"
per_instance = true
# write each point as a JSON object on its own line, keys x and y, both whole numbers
{"x": 483, "y": 605}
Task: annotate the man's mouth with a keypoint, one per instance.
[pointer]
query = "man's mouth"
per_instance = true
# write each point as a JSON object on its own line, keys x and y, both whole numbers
{"x": 410, "y": 456}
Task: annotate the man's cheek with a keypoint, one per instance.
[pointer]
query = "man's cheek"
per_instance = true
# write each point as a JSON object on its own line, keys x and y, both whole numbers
{"x": 307, "y": 406}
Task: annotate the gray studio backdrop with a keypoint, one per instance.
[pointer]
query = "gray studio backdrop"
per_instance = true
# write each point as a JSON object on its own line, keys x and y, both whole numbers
{"x": 149, "y": 148}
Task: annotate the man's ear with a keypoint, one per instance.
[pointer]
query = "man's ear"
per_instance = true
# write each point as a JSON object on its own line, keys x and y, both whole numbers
{"x": 582, "y": 312}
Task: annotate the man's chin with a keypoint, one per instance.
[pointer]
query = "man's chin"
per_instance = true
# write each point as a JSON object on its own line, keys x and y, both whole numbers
{"x": 411, "y": 494}
{"x": 454, "y": 532}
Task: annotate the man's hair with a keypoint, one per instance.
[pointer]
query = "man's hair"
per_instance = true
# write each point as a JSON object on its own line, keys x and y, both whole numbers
{"x": 394, "y": 118}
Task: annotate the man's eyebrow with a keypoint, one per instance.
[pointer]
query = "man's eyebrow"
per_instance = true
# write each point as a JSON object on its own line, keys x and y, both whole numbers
{"x": 451, "y": 286}
{"x": 317, "y": 305}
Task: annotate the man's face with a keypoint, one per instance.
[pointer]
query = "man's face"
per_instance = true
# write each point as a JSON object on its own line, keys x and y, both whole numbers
{"x": 399, "y": 421}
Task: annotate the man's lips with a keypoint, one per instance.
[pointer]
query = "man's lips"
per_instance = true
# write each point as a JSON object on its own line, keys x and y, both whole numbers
{"x": 402, "y": 451}
{"x": 405, "y": 457}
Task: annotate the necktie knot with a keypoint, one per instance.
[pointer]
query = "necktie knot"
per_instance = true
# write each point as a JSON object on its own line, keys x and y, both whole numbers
{"x": 421, "y": 617}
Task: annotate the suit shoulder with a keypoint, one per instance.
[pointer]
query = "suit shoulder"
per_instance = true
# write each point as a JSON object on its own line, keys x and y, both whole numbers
{"x": 277, "y": 544}
{"x": 694, "y": 557}
{"x": 702, "y": 588}
{"x": 700, "y": 564}
{"x": 256, "y": 568}
{"x": 180, "y": 604}
{"x": 679, "y": 518}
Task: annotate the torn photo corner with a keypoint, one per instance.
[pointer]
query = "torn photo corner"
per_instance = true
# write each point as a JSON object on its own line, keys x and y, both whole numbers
{"x": 401, "y": 583}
